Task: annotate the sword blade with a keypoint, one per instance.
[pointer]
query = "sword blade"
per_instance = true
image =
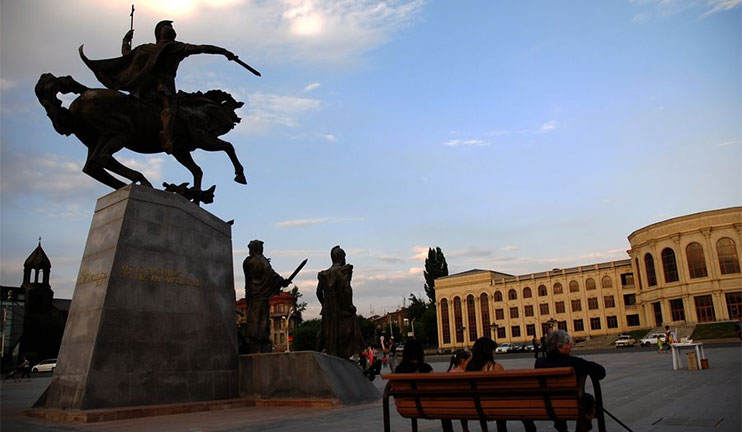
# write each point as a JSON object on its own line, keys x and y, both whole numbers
{"x": 298, "y": 269}
{"x": 247, "y": 66}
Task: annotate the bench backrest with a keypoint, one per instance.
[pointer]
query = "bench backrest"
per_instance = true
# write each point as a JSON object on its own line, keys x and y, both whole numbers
{"x": 536, "y": 394}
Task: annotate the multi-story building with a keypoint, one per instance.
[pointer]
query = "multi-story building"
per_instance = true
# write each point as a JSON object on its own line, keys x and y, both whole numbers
{"x": 282, "y": 317}
{"x": 689, "y": 272}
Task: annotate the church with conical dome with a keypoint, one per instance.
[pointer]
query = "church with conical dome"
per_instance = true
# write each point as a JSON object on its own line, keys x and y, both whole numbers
{"x": 34, "y": 320}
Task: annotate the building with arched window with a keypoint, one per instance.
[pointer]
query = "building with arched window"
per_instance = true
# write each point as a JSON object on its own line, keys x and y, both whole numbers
{"x": 680, "y": 271}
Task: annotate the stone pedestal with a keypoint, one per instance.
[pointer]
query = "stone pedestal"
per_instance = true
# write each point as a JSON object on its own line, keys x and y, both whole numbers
{"x": 152, "y": 316}
{"x": 307, "y": 378}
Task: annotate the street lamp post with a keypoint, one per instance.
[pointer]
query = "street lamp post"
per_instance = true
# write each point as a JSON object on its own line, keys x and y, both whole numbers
{"x": 288, "y": 322}
{"x": 461, "y": 329}
{"x": 493, "y": 330}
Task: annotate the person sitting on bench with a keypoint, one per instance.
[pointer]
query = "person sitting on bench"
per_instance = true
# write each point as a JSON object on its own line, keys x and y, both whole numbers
{"x": 558, "y": 347}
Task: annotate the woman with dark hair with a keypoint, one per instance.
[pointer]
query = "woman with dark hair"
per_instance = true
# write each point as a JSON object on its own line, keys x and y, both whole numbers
{"x": 483, "y": 360}
{"x": 458, "y": 364}
{"x": 413, "y": 358}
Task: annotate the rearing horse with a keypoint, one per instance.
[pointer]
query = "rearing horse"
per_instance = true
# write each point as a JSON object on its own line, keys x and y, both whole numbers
{"x": 107, "y": 121}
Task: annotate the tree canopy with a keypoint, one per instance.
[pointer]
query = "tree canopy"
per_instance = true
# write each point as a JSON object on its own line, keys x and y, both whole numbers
{"x": 435, "y": 267}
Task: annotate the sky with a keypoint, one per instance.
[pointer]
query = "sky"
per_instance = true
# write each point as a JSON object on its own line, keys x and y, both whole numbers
{"x": 516, "y": 136}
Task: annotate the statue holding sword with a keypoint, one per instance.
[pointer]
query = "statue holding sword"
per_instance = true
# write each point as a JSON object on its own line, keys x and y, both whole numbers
{"x": 261, "y": 283}
{"x": 141, "y": 110}
{"x": 148, "y": 72}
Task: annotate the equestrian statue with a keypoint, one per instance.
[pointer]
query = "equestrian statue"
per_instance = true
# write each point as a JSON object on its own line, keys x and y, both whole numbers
{"x": 151, "y": 117}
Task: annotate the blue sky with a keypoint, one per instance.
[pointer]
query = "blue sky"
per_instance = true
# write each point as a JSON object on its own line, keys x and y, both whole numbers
{"x": 517, "y": 136}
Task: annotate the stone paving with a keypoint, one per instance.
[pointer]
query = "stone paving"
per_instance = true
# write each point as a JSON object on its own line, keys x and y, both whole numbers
{"x": 641, "y": 389}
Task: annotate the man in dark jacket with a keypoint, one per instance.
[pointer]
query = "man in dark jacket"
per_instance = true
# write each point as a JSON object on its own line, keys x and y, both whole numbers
{"x": 558, "y": 349}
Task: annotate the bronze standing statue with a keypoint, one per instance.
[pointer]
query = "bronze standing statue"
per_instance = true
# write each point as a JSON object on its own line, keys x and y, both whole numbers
{"x": 340, "y": 333}
{"x": 152, "y": 118}
{"x": 261, "y": 283}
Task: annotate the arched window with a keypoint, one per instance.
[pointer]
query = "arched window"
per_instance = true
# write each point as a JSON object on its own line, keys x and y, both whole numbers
{"x": 696, "y": 260}
{"x": 498, "y": 296}
{"x": 669, "y": 266}
{"x": 527, "y": 292}
{"x": 651, "y": 275}
{"x": 445, "y": 324}
{"x": 512, "y": 295}
{"x": 574, "y": 286}
{"x": 542, "y": 291}
{"x": 458, "y": 320}
{"x": 558, "y": 288}
{"x": 606, "y": 282}
{"x": 728, "y": 259}
{"x": 589, "y": 284}
{"x": 484, "y": 305}
{"x": 471, "y": 316}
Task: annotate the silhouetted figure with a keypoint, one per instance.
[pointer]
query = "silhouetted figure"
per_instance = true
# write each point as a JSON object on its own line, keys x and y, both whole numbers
{"x": 261, "y": 283}
{"x": 340, "y": 334}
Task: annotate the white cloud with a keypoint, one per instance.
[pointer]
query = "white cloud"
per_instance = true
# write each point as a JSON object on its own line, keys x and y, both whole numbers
{"x": 510, "y": 248}
{"x": 312, "y": 87}
{"x": 640, "y": 18}
{"x": 6, "y": 84}
{"x": 548, "y": 126}
{"x": 57, "y": 178}
{"x": 729, "y": 143}
{"x": 465, "y": 143}
{"x": 266, "y": 111}
{"x": 721, "y": 6}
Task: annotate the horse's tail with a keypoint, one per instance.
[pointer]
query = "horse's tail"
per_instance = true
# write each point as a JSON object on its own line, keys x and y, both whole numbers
{"x": 46, "y": 91}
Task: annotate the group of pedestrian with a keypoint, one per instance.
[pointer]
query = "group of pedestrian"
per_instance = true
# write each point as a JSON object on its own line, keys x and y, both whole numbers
{"x": 558, "y": 353}
{"x": 23, "y": 369}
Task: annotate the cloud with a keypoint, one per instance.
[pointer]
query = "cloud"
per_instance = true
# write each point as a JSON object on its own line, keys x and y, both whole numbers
{"x": 729, "y": 143}
{"x": 510, "y": 248}
{"x": 316, "y": 221}
{"x": 640, "y": 18}
{"x": 54, "y": 177}
{"x": 266, "y": 111}
{"x": 311, "y": 87}
{"x": 6, "y": 84}
{"x": 548, "y": 126}
{"x": 721, "y": 6}
{"x": 466, "y": 143}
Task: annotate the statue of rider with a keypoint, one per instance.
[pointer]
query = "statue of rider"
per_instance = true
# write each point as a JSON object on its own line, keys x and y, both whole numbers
{"x": 148, "y": 72}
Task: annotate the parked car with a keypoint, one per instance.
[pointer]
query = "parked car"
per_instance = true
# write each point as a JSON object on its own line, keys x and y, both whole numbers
{"x": 625, "y": 341}
{"x": 400, "y": 348}
{"x": 652, "y": 339}
{"x": 519, "y": 347}
{"x": 503, "y": 348}
{"x": 47, "y": 365}
{"x": 529, "y": 347}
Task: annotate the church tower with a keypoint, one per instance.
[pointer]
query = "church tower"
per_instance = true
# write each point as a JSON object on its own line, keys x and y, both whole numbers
{"x": 39, "y": 294}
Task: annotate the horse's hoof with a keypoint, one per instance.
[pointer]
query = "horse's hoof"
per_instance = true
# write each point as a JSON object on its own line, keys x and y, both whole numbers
{"x": 240, "y": 178}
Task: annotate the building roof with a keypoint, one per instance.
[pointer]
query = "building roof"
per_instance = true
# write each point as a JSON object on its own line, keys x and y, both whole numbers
{"x": 38, "y": 259}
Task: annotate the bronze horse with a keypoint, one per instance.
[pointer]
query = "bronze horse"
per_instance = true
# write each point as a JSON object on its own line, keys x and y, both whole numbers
{"x": 107, "y": 121}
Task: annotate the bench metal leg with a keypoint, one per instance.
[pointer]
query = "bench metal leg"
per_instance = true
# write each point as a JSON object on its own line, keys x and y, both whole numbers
{"x": 387, "y": 427}
{"x": 414, "y": 425}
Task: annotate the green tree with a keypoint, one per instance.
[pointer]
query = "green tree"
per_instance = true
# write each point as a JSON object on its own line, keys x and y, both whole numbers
{"x": 305, "y": 336}
{"x": 300, "y": 306}
{"x": 422, "y": 317}
{"x": 368, "y": 330}
{"x": 435, "y": 267}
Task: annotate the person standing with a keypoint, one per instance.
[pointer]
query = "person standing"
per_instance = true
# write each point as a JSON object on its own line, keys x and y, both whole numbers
{"x": 392, "y": 355}
{"x": 559, "y": 345}
{"x": 26, "y": 367}
{"x": 261, "y": 283}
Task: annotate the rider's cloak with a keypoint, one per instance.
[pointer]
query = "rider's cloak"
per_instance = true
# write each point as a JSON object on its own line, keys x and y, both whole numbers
{"x": 132, "y": 71}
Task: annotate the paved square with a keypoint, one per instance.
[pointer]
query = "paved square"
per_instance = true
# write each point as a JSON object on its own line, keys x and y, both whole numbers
{"x": 641, "y": 389}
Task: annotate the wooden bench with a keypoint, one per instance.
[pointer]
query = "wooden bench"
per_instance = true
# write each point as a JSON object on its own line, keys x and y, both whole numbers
{"x": 526, "y": 394}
